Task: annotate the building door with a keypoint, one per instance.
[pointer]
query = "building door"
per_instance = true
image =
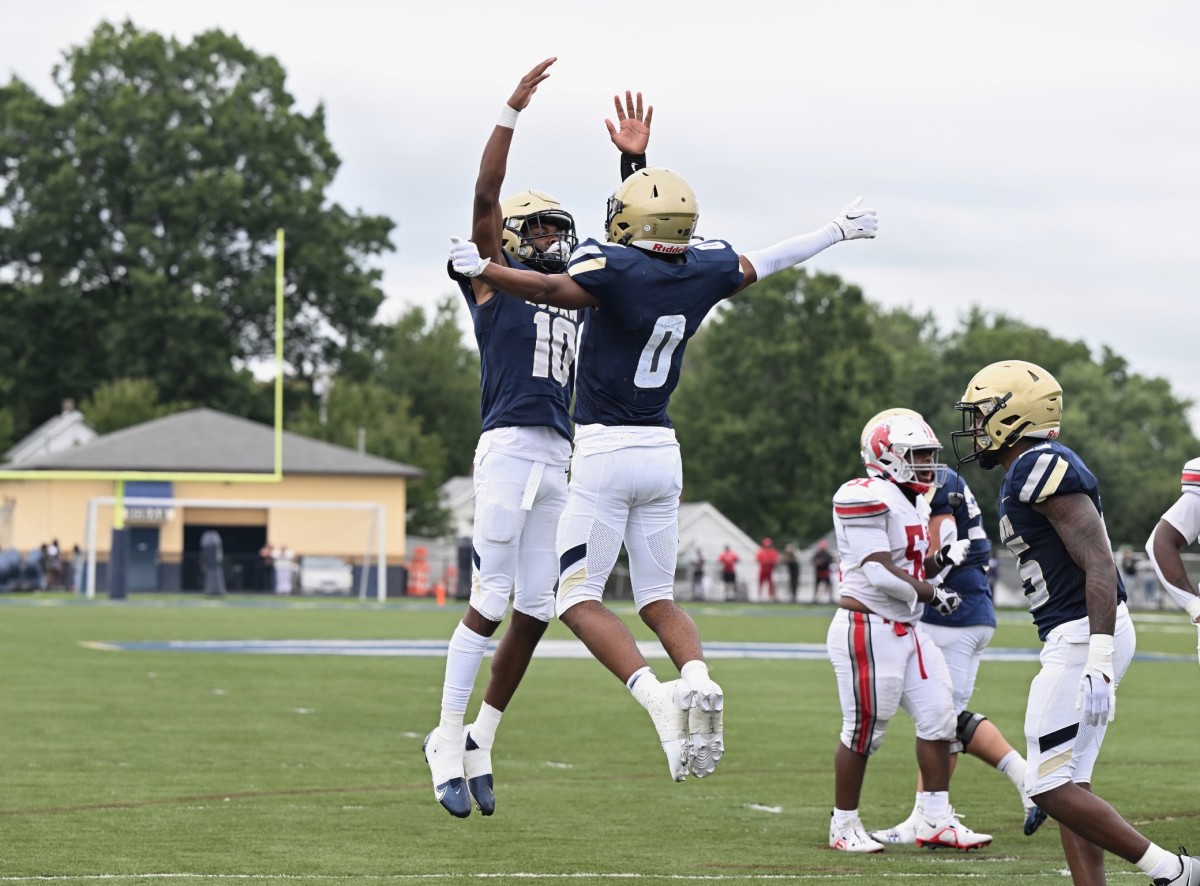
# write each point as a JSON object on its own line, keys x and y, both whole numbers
{"x": 143, "y": 558}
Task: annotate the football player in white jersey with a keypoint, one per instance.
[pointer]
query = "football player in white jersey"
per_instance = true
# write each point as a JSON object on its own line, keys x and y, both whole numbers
{"x": 527, "y": 355}
{"x": 650, "y": 288}
{"x": 881, "y": 657}
{"x": 1177, "y": 529}
{"x": 1052, "y": 521}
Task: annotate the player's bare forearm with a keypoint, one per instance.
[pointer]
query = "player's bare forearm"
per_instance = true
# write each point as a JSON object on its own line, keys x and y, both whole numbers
{"x": 558, "y": 290}
{"x": 1081, "y": 529}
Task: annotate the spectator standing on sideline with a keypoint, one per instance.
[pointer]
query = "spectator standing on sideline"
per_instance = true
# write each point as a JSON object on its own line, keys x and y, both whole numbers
{"x": 697, "y": 574}
{"x": 822, "y": 563}
{"x": 1052, "y": 520}
{"x": 728, "y": 559}
{"x": 1178, "y": 528}
{"x": 768, "y": 559}
{"x": 792, "y": 564}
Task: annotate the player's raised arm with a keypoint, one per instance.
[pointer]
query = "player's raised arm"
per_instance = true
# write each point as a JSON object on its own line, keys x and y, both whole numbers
{"x": 558, "y": 290}
{"x": 486, "y": 215}
{"x": 631, "y": 132}
{"x": 855, "y": 222}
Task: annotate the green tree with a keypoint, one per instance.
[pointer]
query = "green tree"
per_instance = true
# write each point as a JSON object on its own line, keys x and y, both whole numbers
{"x": 140, "y": 215}
{"x": 122, "y": 403}
{"x": 774, "y": 394}
{"x": 391, "y": 431}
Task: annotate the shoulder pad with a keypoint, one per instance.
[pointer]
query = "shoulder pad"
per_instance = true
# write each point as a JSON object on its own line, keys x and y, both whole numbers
{"x": 1042, "y": 472}
{"x": 1191, "y": 475}
{"x": 858, "y": 500}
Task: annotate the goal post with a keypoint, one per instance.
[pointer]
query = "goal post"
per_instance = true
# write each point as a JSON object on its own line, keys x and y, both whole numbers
{"x": 355, "y": 531}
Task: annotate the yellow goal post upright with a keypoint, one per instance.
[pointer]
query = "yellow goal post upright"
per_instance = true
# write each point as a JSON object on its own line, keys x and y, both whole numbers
{"x": 120, "y": 478}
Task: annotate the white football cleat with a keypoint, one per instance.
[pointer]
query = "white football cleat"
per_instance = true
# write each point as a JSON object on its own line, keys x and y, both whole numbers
{"x": 1189, "y": 876}
{"x": 445, "y": 759}
{"x": 852, "y": 839}
{"x": 477, "y": 767}
{"x": 668, "y": 710}
{"x": 706, "y": 730}
{"x": 949, "y": 832}
{"x": 902, "y": 834}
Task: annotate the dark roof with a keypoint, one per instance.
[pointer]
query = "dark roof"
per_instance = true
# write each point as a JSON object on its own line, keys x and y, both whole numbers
{"x": 210, "y": 441}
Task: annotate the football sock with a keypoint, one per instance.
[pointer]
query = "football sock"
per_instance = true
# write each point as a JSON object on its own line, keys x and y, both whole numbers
{"x": 1013, "y": 766}
{"x": 636, "y": 675}
{"x": 935, "y": 805}
{"x": 695, "y": 674}
{"x": 644, "y": 689}
{"x": 844, "y": 818}
{"x": 1158, "y": 864}
{"x": 463, "y": 659}
{"x": 483, "y": 730}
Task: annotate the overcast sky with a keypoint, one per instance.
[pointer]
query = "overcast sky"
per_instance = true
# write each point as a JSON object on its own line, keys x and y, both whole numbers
{"x": 1036, "y": 158}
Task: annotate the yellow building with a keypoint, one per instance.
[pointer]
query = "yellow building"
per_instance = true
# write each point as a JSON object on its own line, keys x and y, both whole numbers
{"x": 332, "y": 501}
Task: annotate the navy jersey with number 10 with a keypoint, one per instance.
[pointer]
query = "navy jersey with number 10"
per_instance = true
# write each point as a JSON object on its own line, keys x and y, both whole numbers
{"x": 1053, "y": 582}
{"x": 526, "y": 360}
{"x": 633, "y": 344}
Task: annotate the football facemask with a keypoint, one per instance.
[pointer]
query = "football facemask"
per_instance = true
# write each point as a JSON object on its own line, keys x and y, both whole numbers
{"x": 1003, "y": 403}
{"x": 537, "y": 213}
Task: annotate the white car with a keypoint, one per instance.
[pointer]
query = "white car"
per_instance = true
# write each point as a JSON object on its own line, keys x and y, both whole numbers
{"x": 325, "y": 575}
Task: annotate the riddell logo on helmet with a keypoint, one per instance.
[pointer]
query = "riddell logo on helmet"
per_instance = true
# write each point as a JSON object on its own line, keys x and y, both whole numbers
{"x": 1051, "y": 435}
{"x": 672, "y": 249}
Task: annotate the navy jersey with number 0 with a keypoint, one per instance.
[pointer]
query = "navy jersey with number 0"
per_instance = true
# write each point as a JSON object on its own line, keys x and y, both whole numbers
{"x": 633, "y": 343}
{"x": 526, "y": 359}
{"x": 969, "y": 578}
{"x": 1053, "y": 582}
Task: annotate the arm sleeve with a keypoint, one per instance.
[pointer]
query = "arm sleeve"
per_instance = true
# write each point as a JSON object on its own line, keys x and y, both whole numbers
{"x": 631, "y": 163}
{"x": 793, "y": 251}
{"x": 892, "y": 585}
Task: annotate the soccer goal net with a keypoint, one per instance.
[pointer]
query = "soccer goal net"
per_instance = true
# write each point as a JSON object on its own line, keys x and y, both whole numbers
{"x": 239, "y": 545}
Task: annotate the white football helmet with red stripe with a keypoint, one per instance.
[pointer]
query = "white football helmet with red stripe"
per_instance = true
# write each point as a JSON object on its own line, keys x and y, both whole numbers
{"x": 1191, "y": 476}
{"x": 900, "y": 446}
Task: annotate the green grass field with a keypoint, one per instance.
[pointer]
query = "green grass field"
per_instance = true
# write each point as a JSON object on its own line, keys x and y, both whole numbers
{"x": 143, "y": 766}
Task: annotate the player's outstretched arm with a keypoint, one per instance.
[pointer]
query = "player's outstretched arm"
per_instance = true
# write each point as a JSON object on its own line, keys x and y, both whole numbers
{"x": 486, "y": 217}
{"x": 855, "y": 222}
{"x": 546, "y": 289}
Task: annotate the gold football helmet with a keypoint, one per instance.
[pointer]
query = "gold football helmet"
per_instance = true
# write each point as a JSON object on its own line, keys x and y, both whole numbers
{"x": 654, "y": 209}
{"x": 1003, "y": 403}
{"x": 527, "y": 210}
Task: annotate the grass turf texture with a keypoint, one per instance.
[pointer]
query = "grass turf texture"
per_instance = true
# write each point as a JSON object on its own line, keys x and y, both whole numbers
{"x": 260, "y": 768}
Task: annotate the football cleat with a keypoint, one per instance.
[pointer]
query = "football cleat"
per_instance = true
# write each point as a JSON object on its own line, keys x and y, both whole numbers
{"x": 852, "y": 839}
{"x": 949, "y": 832}
{"x": 477, "y": 766}
{"x": 706, "y": 730}
{"x": 903, "y": 833}
{"x": 668, "y": 710}
{"x": 1189, "y": 876}
{"x": 445, "y": 761}
{"x": 1035, "y": 817}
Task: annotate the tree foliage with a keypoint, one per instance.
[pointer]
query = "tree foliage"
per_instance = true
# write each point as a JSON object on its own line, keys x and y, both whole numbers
{"x": 140, "y": 213}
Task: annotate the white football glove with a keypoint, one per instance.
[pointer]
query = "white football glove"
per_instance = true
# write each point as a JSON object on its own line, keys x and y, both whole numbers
{"x": 857, "y": 223}
{"x": 464, "y": 258}
{"x": 944, "y": 600}
{"x": 1097, "y": 696}
{"x": 952, "y": 554}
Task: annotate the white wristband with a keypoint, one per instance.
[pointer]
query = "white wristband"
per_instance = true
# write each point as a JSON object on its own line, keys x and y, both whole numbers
{"x": 1193, "y": 608}
{"x": 508, "y": 117}
{"x": 1100, "y": 649}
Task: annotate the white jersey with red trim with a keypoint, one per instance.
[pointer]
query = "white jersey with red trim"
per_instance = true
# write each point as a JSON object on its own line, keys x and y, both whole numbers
{"x": 870, "y": 516}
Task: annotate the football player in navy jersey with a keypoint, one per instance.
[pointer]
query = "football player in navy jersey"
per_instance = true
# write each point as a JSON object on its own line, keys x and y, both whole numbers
{"x": 1052, "y": 521}
{"x": 648, "y": 287}
{"x": 527, "y": 356}
{"x": 1178, "y": 528}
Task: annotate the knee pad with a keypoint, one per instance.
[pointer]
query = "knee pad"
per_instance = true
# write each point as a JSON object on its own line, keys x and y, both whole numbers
{"x": 968, "y": 722}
